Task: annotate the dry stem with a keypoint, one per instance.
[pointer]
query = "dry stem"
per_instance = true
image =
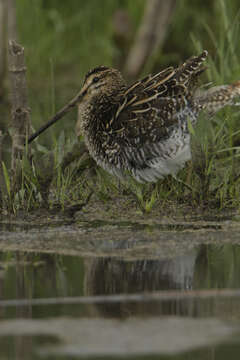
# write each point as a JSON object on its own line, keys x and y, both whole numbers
{"x": 150, "y": 36}
{"x": 12, "y": 19}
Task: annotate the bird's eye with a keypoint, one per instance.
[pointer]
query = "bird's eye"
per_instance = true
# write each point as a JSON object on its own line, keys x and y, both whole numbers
{"x": 95, "y": 79}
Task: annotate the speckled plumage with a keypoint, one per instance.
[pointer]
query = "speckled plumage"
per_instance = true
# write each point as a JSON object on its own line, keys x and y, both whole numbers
{"x": 142, "y": 129}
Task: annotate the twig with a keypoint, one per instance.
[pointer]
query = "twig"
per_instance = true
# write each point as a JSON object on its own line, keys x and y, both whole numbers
{"x": 150, "y": 36}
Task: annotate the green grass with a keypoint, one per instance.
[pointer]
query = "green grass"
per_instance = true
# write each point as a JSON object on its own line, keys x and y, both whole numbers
{"x": 63, "y": 41}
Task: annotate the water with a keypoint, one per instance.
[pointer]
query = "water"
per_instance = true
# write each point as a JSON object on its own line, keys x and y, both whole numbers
{"x": 99, "y": 289}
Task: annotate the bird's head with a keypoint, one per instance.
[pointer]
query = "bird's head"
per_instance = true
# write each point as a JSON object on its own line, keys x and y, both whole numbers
{"x": 101, "y": 82}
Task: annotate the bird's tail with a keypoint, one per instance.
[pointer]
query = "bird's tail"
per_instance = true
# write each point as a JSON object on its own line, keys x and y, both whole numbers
{"x": 217, "y": 97}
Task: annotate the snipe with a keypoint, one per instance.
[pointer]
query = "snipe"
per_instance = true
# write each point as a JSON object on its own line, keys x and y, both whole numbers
{"x": 143, "y": 129}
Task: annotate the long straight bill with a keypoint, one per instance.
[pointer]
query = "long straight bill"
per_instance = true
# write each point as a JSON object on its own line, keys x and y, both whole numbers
{"x": 56, "y": 117}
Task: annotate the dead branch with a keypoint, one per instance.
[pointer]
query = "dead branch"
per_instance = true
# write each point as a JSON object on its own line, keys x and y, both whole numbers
{"x": 12, "y": 20}
{"x": 20, "y": 125}
{"x": 150, "y": 36}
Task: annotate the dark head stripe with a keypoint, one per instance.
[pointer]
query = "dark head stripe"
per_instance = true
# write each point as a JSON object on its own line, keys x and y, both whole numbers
{"x": 96, "y": 70}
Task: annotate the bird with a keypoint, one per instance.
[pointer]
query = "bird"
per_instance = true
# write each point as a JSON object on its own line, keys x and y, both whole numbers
{"x": 143, "y": 129}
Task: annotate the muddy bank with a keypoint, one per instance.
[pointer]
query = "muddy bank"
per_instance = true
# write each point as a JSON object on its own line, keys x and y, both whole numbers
{"x": 94, "y": 233}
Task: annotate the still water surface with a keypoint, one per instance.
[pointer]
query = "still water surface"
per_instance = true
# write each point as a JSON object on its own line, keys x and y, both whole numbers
{"x": 138, "y": 262}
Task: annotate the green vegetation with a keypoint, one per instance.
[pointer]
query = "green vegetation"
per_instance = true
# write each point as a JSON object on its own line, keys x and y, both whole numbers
{"x": 63, "y": 40}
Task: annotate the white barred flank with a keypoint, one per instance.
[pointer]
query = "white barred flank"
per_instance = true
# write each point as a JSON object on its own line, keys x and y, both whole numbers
{"x": 170, "y": 163}
{"x": 217, "y": 97}
{"x": 168, "y": 158}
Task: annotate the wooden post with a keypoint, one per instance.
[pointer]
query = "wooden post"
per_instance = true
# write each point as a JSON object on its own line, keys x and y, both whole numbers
{"x": 20, "y": 124}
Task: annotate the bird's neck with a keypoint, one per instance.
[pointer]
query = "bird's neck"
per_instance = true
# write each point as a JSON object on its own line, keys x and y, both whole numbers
{"x": 94, "y": 114}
